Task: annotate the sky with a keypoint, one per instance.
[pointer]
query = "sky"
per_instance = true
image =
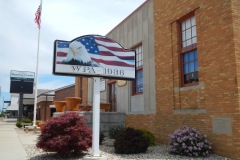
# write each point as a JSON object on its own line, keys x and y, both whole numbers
{"x": 60, "y": 20}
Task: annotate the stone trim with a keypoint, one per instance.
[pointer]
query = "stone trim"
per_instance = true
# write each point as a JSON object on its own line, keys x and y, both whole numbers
{"x": 189, "y": 111}
{"x": 143, "y": 112}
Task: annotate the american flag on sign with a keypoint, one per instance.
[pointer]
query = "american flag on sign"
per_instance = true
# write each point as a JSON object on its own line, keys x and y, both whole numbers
{"x": 102, "y": 52}
{"x": 38, "y": 15}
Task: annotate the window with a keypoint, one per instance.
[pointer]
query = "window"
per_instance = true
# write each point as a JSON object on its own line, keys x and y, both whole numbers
{"x": 189, "y": 54}
{"x": 138, "y": 83}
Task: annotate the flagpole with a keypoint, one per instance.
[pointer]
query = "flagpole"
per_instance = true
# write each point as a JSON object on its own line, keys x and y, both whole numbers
{"x": 36, "y": 84}
{"x": 36, "y": 80}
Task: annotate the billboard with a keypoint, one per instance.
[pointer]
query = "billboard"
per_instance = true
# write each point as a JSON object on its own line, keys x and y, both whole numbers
{"x": 93, "y": 56}
{"x": 21, "y": 87}
{"x": 21, "y": 81}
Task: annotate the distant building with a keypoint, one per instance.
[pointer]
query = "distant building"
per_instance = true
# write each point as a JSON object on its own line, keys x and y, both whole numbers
{"x": 28, "y": 103}
{"x": 63, "y": 92}
{"x": 12, "y": 109}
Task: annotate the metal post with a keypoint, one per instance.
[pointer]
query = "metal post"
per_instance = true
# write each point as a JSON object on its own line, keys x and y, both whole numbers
{"x": 96, "y": 116}
{"x": 20, "y": 110}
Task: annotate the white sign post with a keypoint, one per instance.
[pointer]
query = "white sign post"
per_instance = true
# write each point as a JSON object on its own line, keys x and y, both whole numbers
{"x": 96, "y": 116}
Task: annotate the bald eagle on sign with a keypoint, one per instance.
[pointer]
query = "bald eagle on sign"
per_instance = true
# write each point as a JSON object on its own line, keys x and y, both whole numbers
{"x": 78, "y": 55}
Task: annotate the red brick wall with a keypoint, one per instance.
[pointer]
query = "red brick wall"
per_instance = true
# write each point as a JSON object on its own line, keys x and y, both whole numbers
{"x": 44, "y": 110}
{"x": 218, "y": 45}
{"x": 236, "y": 29}
{"x": 65, "y": 92}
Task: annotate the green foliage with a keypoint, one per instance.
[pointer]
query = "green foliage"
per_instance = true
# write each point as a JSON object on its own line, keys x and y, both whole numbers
{"x": 101, "y": 138}
{"x": 26, "y": 120}
{"x": 19, "y": 124}
{"x": 131, "y": 141}
{"x": 2, "y": 115}
{"x": 115, "y": 130}
{"x": 150, "y": 136}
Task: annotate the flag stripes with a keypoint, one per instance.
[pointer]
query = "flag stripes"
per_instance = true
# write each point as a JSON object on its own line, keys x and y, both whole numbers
{"x": 38, "y": 15}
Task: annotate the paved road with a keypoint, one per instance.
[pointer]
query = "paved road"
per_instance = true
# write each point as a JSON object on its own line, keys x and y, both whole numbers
{"x": 11, "y": 143}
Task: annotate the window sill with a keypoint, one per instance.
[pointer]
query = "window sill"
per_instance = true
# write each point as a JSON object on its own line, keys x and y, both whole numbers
{"x": 191, "y": 84}
{"x": 189, "y": 111}
{"x": 188, "y": 88}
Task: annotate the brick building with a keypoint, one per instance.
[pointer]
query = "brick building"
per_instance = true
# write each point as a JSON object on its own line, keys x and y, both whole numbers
{"x": 189, "y": 72}
{"x": 45, "y": 100}
{"x": 63, "y": 92}
{"x": 197, "y": 71}
{"x": 45, "y": 107}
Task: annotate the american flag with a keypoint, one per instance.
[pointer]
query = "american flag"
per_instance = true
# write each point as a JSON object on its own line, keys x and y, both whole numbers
{"x": 102, "y": 50}
{"x": 38, "y": 15}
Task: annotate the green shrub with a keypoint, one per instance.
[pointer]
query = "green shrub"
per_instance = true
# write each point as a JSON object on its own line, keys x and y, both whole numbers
{"x": 131, "y": 141}
{"x": 26, "y": 120}
{"x": 115, "y": 130}
{"x": 2, "y": 115}
{"x": 19, "y": 124}
{"x": 101, "y": 138}
{"x": 150, "y": 136}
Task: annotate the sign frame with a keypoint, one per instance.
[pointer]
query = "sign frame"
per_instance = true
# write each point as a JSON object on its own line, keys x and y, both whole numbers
{"x": 92, "y": 71}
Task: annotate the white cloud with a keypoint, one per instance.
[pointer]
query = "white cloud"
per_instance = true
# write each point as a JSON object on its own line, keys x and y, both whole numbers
{"x": 61, "y": 19}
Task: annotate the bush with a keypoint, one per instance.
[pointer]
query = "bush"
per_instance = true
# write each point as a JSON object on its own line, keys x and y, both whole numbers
{"x": 67, "y": 135}
{"x": 150, "y": 136}
{"x": 19, "y": 124}
{"x": 26, "y": 120}
{"x": 130, "y": 141}
{"x": 101, "y": 138}
{"x": 115, "y": 130}
{"x": 189, "y": 142}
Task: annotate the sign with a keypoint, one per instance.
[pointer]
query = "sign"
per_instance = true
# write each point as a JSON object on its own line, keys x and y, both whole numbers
{"x": 21, "y": 75}
{"x": 21, "y": 82}
{"x": 21, "y": 87}
{"x": 102, "y": 85}
{"x": 93, "y": 56}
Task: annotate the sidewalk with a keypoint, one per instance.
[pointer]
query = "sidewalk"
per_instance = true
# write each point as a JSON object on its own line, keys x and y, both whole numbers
{"x": 12, "y": 143}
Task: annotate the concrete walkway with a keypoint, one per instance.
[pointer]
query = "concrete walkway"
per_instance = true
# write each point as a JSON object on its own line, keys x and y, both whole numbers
{"x": 12, "y": 143}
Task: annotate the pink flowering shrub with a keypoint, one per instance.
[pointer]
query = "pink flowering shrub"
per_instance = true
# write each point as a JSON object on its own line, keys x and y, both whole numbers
{"x": 189, "y": 142}
{"x": 66, "y": 135}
